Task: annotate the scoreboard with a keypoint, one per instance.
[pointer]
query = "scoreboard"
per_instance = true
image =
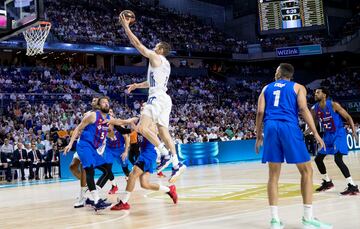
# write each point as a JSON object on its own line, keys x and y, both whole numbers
{"x": 279, "y": 16}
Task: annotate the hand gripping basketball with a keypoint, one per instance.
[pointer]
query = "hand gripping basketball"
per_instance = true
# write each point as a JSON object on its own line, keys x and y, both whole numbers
{"x": 127, "y": 17}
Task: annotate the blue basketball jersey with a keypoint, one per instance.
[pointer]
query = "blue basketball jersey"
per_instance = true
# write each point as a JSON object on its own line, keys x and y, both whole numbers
{"x": 281, "y": 102}
{"x": 117, "y": 142}
{"x": 145, "y": 144}
{"x": 330, "y": 121}
{"x": 95, "y": 133}
{"x": 333, "y": 127}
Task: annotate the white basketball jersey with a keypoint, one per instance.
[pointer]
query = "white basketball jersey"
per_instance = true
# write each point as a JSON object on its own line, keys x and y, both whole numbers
{"x": 158, "y": 77}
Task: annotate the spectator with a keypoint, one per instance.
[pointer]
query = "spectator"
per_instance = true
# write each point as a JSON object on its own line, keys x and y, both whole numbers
{"x": 20, "y": 159}
{"x": 6, "y": 152}
{"x": 35, "y": 159}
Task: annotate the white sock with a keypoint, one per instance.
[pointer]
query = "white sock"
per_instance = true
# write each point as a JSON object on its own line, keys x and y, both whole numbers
{"x": 326, "y": 177}
{"x": 175, "y": 162}
{"x": 98, "y": 187}
{"x": 95, "y": 196}
{"x": 83, "y": 191}
{"x": 126, "y": 197}
{"x": 164, "y": 188}
{"x": 308, "y": 211}
{"x": 274, "y": 212}
{"x": 162, "y": 149}
{"x": 113, "y": 183}
{"x": 350, "y": 181}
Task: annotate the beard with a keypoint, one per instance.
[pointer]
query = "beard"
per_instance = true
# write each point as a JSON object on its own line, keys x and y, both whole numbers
{"x": 105, "y": 110}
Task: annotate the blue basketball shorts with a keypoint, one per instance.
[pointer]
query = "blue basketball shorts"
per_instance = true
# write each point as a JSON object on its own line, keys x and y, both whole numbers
{"x": 335, "y": 143}
{"x": 147, "y": 160}
{"x": 88, "y": 155}
{"x": 114, "y": 154}
{"x": 284, "y": 141}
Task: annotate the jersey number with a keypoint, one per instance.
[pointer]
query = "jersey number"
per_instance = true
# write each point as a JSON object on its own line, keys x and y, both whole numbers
{"x": 151, "y": 99}
{"x": 277, "y": 98}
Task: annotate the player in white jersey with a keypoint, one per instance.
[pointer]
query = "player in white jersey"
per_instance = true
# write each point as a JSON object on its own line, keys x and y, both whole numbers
{"x": 158, "y": 107}
{"x": 76, "y": 167}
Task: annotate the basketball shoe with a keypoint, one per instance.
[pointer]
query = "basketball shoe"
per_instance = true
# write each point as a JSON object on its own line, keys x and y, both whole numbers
{"x": 113, "y": 189}
{"x": 315, "y": 224}
{"x": 276, "y": 224}
{"x": 325, "y": 185}
{"x": 351, "y": 190}
{"x": 177, "y": 172}
{"x": 120, "y": 206}
{"x": 172, "y": 193}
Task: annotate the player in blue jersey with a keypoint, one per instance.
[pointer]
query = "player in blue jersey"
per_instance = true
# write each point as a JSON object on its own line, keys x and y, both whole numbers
{"x": 117, "y": 148}
{"x": 76, "y": 166}
{"x": 142, "y": 169}
{"x": 328, "y": 113}
{"x": 278, "y": 106}
{"x": 93, "y": 133}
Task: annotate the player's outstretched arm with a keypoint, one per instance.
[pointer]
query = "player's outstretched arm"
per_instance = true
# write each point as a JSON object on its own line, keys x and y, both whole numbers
{"x": 259, "y": 121}
{"x": 339, "y": 109}
{"x": 125, "y": 22}
{"x": 305, "y": 112}
{"x": 120, "y": 122}
{"x": 134, "y": 86}
{"x": 89, "y": 118}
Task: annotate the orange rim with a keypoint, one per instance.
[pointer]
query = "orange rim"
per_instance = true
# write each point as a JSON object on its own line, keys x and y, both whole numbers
{"x": 43, "y": 26}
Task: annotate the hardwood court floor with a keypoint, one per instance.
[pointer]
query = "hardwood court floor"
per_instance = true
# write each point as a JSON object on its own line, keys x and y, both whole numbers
{"x": 214, "y": 196}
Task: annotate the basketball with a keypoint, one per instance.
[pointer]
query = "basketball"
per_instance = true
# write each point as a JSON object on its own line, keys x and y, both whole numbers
{"x": 129, "y": 14}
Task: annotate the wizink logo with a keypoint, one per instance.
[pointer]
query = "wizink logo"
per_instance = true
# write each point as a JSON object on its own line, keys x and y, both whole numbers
{"x": 288, "y": 51}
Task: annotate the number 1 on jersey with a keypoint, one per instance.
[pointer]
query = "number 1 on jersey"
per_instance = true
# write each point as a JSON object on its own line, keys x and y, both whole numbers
{"x": 277, "y": 98}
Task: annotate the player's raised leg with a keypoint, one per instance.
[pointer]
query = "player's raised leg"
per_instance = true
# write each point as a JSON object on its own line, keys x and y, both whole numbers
{"x": 178, "y": 167}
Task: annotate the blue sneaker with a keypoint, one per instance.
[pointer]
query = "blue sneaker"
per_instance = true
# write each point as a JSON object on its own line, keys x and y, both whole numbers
{"x": 177, "y": 172}
{"x": 89, "y": 202}
{"x": 101, "y": 204}
{"x": 165, "y": 162}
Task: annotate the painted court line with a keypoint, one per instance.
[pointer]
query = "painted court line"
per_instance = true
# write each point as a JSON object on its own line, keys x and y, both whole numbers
{"x": 126, "y": 213}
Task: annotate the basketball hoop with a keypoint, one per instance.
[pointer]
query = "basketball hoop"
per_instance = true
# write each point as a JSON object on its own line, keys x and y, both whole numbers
{"x": 35, "y": 38}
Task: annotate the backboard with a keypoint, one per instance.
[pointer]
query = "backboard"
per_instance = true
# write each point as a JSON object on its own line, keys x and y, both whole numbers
{"x": 18, "y": 15}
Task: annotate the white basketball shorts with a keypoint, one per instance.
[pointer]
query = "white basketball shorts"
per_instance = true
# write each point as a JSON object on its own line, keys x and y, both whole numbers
{"x": 158, "y": 107}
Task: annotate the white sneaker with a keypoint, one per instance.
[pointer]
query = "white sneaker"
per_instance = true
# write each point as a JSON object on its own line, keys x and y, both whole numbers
{"x": 80, "y": 203}
{"x": 177, "y": 172}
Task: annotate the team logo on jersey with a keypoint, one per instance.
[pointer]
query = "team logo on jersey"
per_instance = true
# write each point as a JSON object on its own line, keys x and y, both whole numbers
{"x": 280, "y": 85}
{"x": 231, "y": 192}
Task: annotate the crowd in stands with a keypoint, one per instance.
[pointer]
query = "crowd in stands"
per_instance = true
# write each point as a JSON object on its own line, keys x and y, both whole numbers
{"x": 353, "y": 24}
{"x": 346, "y": 84}
{"x": 100, "y": 25}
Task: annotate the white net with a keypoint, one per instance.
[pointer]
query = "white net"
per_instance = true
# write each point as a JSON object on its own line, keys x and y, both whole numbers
{"x": 35, "y": 38}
